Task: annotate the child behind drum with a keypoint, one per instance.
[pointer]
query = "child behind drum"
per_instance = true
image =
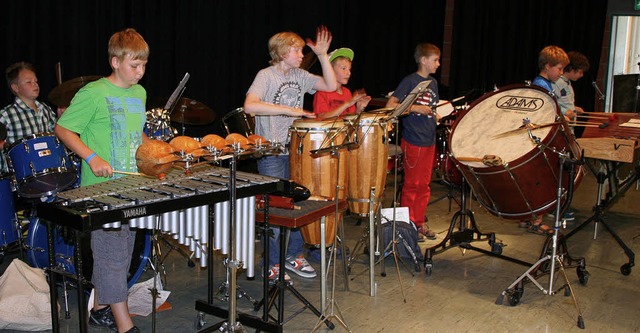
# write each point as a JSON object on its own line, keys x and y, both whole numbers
{"x": 327, "y": 104}
{"x": 419, "y": 136}
{"x": 25, "y": 115}
{"x": 276, "y": 99}
{"x": 551, "y": 62}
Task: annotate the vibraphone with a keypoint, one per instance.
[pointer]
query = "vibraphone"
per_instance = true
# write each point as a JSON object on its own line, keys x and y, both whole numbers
{"x": 613, "y": 145}
{"x": 179, "y": 205}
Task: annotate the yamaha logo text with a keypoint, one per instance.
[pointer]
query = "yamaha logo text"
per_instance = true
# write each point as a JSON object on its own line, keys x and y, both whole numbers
{"x": 134, "y": 212}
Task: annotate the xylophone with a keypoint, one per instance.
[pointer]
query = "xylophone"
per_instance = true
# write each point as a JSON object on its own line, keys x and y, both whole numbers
{"x": 616, "y": 139}
{"x": 178, "y": 205}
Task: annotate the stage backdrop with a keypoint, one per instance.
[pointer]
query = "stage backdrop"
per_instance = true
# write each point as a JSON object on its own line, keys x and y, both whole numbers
{"x": 222, "y": 44}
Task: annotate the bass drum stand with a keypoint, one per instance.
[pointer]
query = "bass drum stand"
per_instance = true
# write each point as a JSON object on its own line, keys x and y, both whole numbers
{"x": 467, "y": 232}
{"x": 549, "y": 259}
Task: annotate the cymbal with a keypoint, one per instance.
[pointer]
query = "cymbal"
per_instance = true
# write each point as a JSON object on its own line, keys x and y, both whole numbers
{"x": 195, "y": 113}
{"x": 63, "y": 93}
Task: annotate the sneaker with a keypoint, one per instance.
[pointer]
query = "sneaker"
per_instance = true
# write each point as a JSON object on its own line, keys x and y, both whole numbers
{"x": 421, "y": 238}
{"x": 427, "y": 233}
{"x": 274, "y": 272}
{"x": 300, "y": 266}
{"x": 133, "y": 329}
{"x": 103, "y": 318}
{"x": 569, "y": 216}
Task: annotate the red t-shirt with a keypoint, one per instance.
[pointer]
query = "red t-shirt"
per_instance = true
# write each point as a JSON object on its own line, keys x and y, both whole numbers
{"x": 327, "y": 101}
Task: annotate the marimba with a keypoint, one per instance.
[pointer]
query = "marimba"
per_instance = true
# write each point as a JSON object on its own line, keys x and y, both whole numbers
{"x": 613, "y": 145}
{"x": 615, "y": 139}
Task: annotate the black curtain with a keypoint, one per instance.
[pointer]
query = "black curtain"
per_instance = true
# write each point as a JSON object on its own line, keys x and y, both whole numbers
{"x": 223, "y": 44}
{"x": 496, "y": 43}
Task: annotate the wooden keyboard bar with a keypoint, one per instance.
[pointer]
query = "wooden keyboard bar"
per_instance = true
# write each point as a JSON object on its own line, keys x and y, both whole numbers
{"x": 613, "y": 142}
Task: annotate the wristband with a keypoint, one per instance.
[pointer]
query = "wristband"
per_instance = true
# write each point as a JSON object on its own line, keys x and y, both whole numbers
{"x": 90, "y": 157}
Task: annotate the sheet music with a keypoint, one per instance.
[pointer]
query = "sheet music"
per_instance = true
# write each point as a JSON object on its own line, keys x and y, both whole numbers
{"x": 411, "y": 98}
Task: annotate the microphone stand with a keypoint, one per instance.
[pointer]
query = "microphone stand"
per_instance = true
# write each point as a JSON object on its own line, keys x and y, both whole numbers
{"x": 635, "y": 102}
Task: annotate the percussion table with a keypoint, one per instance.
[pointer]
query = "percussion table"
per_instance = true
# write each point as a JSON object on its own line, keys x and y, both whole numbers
{"x": 309, "y": 212}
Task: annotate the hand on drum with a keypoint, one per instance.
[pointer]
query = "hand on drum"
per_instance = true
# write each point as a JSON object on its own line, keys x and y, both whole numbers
{"x": 323, "y": 41}
{"x": 299, "y": 112}
{"x": 361, "y": 99}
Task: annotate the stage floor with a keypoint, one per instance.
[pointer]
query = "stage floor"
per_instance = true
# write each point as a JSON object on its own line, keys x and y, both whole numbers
{"x": 459, "y": 295}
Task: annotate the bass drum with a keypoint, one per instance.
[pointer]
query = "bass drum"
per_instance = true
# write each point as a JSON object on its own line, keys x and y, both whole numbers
{"x": 526, "y": 183}
{"x": 8, "y": 220}
{"x": 38, "y": 257}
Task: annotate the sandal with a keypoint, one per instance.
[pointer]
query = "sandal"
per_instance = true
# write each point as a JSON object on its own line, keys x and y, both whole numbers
{"x": 427, "y": 233}
{"x": 541, "y": 229}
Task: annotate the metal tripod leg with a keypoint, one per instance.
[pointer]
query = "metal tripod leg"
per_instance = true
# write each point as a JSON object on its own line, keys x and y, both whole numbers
{"x": 223, "y": 290}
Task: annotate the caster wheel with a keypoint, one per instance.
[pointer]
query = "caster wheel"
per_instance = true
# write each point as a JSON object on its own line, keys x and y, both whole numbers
{"x": 199, "y": 322}
{"x": 583, "y": 276}
{"x": 190, "y": 263}
{"x": 428, "y": 266}
{"x": 496, "y": 248}
{"x": 514, "y": 296}
{"x": 567, "y": 291}
{"x": 625, "y": 269}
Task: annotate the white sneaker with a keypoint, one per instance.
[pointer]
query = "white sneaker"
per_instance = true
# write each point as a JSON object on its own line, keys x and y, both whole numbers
{"x": 274, "y": 273}
{"x": 300, "y": 266}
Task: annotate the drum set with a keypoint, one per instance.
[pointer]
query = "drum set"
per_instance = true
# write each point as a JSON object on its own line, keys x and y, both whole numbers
{"x": 40, "y": 167}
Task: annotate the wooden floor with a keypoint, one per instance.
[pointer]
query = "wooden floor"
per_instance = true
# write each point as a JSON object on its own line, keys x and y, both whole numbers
{"x": 460, "y": 293}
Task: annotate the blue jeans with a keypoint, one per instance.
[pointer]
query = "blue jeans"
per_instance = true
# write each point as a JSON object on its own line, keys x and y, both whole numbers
{"x": 278, "y": 166}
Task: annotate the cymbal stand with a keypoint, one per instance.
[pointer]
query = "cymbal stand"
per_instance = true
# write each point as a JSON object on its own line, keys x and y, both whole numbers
{"x": 328, "y": 310}
{"x": 514, "y": 290}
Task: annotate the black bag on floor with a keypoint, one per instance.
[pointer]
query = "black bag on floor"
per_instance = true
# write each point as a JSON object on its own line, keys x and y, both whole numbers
{"x": 407, "y": 238}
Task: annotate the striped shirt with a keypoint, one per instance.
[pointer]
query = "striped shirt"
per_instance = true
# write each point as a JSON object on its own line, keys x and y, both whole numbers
{"x": 21, "y": 121}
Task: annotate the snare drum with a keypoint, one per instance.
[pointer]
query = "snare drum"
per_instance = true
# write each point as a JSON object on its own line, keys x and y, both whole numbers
{"x": 8, "y": 220}
{"x": 319, "y": 173}
{"x": 368, "y": 164}
{"x": 41, "y": 166}
{"x": 38, "y": 257}
{"x": 237, "y": 121}
{"x": 527, "y": 182}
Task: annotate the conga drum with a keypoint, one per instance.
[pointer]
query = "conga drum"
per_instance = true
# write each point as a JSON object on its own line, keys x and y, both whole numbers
{"x": 319, "y": 173}
{"x": 368, "y": 163}
{"x": 526, "y": 182}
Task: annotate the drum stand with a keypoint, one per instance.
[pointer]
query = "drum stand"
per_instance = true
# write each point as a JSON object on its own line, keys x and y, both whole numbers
{"x": 329, "y": 311}
{"x": 549, "y": 260}
{"x": 467, "y": 232}
{"x": 391, "y": 248}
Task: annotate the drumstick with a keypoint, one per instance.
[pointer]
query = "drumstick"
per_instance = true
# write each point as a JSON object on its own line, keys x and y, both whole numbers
{"x": 132, "y": 173}
{"x": 584, "y": 125}
{"x": 488, "y": 160}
